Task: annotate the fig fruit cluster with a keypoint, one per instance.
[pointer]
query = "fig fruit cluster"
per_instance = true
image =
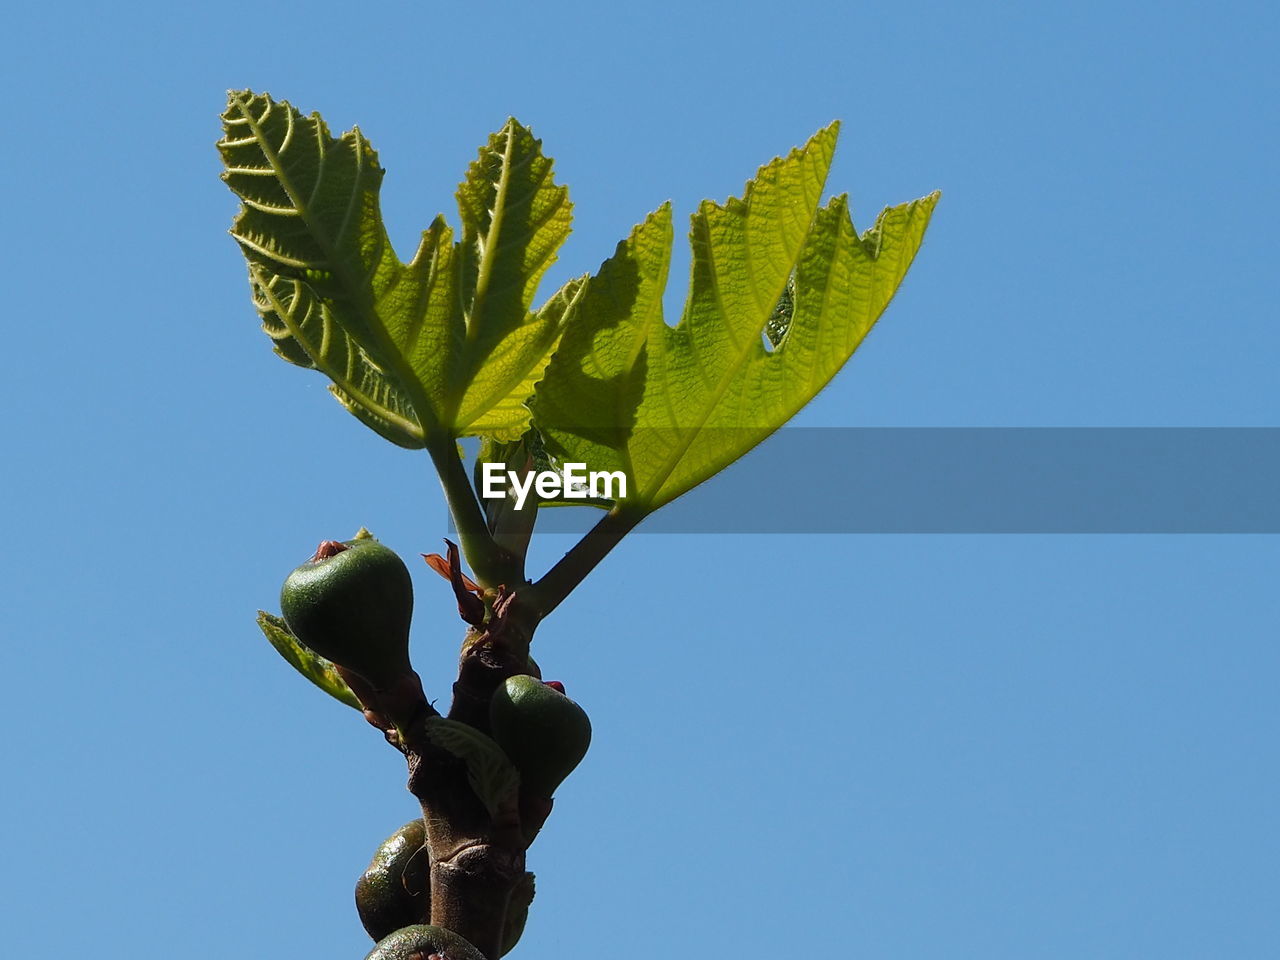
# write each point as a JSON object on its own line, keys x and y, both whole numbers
{"x": 352, "y": 604}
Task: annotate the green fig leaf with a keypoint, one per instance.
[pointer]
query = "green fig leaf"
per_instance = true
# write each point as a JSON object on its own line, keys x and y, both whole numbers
{"x": 446, "y": 344}
{"x": 670, "y": 407}
{"x": 308, "y": 663}
{"x": 490, "y": 772}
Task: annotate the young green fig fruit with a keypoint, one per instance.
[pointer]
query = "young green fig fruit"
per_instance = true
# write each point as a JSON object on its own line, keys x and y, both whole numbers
{"x": 352, "y": 603}
{"x": 422, "y": 940}
{"x": 517, "y": 912}
{"x": 395, "y": 889}
{"x": 544, "y": 733}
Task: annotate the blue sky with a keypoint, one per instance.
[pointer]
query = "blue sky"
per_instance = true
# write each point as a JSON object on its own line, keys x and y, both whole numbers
{"x": 876, "y": 746}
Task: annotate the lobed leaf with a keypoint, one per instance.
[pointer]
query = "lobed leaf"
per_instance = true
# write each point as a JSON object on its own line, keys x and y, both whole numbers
{"x": 670, "y": 407}
{"x": 445, "y": 345}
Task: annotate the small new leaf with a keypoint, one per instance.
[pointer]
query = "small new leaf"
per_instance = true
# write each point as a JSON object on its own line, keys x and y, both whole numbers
{"x": 311, "y": 665}
{"x": 490, "y": 772}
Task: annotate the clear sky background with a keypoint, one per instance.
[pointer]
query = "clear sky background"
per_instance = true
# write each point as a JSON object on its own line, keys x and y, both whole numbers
{"x": 872, "y": 746}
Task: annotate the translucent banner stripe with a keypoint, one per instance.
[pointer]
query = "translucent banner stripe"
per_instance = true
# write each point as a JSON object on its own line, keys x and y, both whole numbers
{"x": 983, "y": 480}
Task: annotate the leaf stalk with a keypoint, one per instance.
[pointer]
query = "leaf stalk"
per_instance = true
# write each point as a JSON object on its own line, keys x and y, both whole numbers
{"x": 492, "y": 564}
{"x": 571, "y": 569}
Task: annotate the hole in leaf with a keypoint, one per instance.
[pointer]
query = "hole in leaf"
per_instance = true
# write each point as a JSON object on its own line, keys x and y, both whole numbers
{"x": 779, "y": 322}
